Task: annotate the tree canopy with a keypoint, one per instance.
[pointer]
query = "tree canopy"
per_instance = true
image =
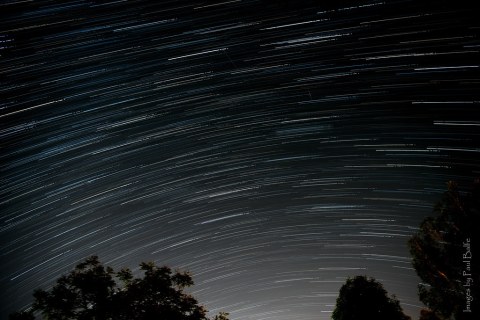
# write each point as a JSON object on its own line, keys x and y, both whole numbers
{"x": 363, "y": 298}
{"x": 442, "y": 255}
{"x": 93, "y": 291}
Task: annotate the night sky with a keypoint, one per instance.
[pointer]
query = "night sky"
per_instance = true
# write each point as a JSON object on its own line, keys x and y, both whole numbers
{"x": 271, "y": 149}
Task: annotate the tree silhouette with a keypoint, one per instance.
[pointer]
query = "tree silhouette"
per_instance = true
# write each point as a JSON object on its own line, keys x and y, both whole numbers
{"x": 92, "y": 291}
{"x": 363, "y": 298}
{"x": 441, "y": 252}
{"x": 26, "y": 315}
{"x": 428, "y": 315}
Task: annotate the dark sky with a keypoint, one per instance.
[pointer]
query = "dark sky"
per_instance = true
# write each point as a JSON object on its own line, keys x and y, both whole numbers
{"x": 272, "y": 150}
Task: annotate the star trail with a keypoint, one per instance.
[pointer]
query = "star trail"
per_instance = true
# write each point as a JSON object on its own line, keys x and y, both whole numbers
{"x": 272, "y": 148}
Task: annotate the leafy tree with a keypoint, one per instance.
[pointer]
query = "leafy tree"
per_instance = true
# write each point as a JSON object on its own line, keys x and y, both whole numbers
{"x": 363, "y": 298}
{"x": 92, "y": 291}
{"x": 221, "y": 316}
{"x": 437, "y": 250}
{"x": 428, "y": 315}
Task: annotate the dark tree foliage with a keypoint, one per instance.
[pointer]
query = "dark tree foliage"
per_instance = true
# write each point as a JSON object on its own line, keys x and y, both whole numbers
{"x": 92, "y": 291}
{"x": 428, "y": 315}
{"x": 26, "y": 315}
{"x": 363, "y": 298}
{"x": 442, "y": 255}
